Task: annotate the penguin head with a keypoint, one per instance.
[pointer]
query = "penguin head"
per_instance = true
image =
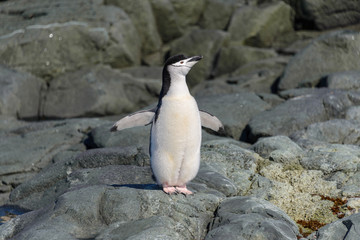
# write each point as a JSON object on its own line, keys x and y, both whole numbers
{"x": 180, "y": 64}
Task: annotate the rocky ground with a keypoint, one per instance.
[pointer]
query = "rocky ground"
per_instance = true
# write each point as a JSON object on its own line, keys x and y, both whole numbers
{"x": 283, "y": 77}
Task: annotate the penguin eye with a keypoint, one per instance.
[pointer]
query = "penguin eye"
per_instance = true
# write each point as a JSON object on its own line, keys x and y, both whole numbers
{"x": 181, "y": 62}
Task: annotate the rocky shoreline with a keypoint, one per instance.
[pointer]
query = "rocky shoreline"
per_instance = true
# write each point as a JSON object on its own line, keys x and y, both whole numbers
{"x": 282, "y": 76}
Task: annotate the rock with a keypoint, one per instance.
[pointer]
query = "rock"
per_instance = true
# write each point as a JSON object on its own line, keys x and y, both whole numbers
{"x": 110, "y": 206}
{"x": 188, "y": 11}
{"x": 279, "y": 149}
{"x": 341, "y": 229}
{"x": 28, "y": 149}
{"x": 20, "y": 93}
{"x": 95, "y": 91}
{"x": 82, "y": 169}
{"x": 232, "y": 166}
{"x": 146, "y": 72}
{"x": 319, "y": 59}
{"x": 339, "y": 131}
{"x": 157, "y": 227}
{"x": 299, "y": 112}
{"x": 293, "y": 190}
{"x": 349, "y": 80}
{"x": 330, "y": 158}
{"x": 353, "y": 113}
{"x": 143, "y": 18}
{"x": 233, "y": 115}
{"x": 217, "y": 14}
{"x": 271, "y": 99}
{"x": 249, "y": 218}
{"x": 171, "y": 28}
{"x": 261, "y": 26}
{"x": 235, "y": 55}
{"x": 329, "y": 14}
{"x": 200, "y": 42}
{"x": 34, "y": 45}
{"x": 259, "y": 77}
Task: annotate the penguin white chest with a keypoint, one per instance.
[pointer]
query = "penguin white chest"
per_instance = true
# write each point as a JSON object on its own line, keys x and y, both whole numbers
{"x": 176, "y": 141}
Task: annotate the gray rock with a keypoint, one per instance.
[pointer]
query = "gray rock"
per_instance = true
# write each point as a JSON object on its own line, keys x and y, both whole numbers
{"x": 349, "y": 80}
{"x": 271, "y": 99}
{"x": 261, "y": 26}
{"x": 143, "y": 18}
{"x": 235, "y": 55}
{"x": 200, "y": 42}
{"x": 188, "y": 11}
{"x": 95, "y": 91}
{"x": 339, "y": 131}
{"x": 353, "y": 113}
{"x": 249, "y": 218}
{"x": 279, "y": 149}
{"x": 330, "y": 158}
{"x": 234, "y": 110}
{"x": 57, "y": 178}
{"x": 89, "y": 40}
{"x": 156, "y": 227}
{"x": 259, "y": 77}
{"x": 90, "y": 210}
{"x": 217, "y": 14}
{"x": 329, "y": 14}
{"x": 28, "y": 149}
{"x": 345, "y": 228}
{"x": 171, "y": 28}
{"x": 299, "y": 112}
{"x": 19, "y": 93}
{"x": 319, "y": 59}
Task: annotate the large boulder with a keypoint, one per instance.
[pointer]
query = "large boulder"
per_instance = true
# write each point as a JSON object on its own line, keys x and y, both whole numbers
{"x": 236, "y": 55}
{"x": 94, "y": 91}
{"x": 250, "y": 218}
{"x": 19, "y": 93}
{"x": 171, "y": 28}
{"x": 330, "y": 53}
{"x": 299, "y": 112}
{"x": 53, "y": 43}
{"x": 234, "y": 110}
{"x": 325, "y": 14}
{"x": 261, "y": 26}
{"x": 29, "y": 147}
{"x": 200, "y": 42}
{"x": 143, "y": 18}
{"x": 217, "y": 14}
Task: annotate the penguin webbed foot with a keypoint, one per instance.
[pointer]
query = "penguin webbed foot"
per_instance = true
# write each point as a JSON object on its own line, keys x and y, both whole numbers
{"x": 169, "y": 189}
{"x": 177, "y": 189}
{"x": 184, "y": 190}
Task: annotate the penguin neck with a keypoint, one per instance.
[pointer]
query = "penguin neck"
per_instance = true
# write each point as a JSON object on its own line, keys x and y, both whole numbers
{"x": 178, "y": 86}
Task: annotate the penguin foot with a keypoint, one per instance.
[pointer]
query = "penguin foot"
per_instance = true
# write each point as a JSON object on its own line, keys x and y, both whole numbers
{"x": 183, "y": 190}
{"x": 169, "y": 190}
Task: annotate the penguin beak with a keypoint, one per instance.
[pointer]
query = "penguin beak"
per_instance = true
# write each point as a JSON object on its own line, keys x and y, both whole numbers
{"x": 195, "y": 59}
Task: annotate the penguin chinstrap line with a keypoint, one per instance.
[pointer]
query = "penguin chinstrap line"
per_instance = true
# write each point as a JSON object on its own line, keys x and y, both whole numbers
{"x": 175, "y": 139}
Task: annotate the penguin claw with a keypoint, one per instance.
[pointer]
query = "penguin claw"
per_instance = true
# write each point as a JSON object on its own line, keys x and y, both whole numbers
{"x": 169, "y": 190}
{"x": 184, "y": 190}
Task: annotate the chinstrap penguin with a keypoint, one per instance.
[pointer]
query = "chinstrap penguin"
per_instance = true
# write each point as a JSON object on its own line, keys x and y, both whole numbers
{"x": 175, "y": 139}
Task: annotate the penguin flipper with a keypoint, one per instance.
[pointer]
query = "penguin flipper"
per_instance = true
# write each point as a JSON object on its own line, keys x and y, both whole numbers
{"x": 140, "y": 118}
{"x": 210, "y": 121}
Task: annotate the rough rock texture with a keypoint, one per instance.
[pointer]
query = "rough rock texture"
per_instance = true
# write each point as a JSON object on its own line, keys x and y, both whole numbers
{"x": 19, "y": 93}
{"x": 234, "y": 116}
{"x": 299, "y": 112}
{"x": 320, "y": 59}
{"x": 36, "y": 47}
{"x": 329, "y": 14}
{"x": 98, "y": 91}
{"x": 249, "y": 218}
{"x": 261, "y": 26}
{"x": 348, "y": 80}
